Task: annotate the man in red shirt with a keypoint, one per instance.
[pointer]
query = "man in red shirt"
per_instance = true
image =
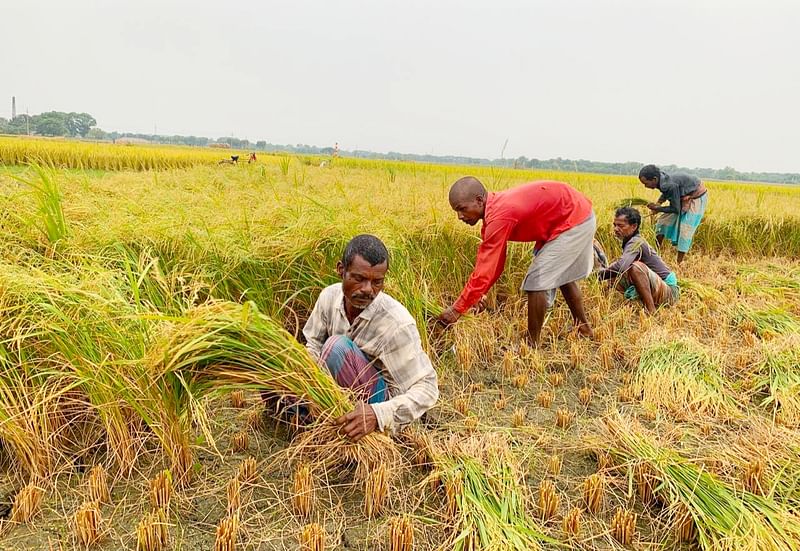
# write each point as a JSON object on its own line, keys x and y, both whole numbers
{"x": 557, "y": 217}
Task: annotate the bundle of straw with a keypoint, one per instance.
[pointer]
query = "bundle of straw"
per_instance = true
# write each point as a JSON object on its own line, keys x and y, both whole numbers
{"x": 486, "y": 497}
{"x": 682, "y": 378}
{"x": 632, "y": 202}
{"x": 767, "y": 322}
{"x": 221, "y": 346}
{"x": 726, "y": 518}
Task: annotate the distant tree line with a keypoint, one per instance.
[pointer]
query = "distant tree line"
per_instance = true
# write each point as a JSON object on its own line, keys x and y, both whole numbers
{"x": 51, "y": 123}
{"x": 82, "y": 125}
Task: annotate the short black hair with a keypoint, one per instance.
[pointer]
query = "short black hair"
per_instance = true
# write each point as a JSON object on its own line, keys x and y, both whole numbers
{"x": 648, "y": 172}
{"x": 368, "y": 247}
{"x": 632, "y": 215}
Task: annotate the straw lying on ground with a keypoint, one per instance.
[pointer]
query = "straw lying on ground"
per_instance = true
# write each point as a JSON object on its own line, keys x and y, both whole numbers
{"x": 726, "y": 518}
{"x": 485, "y": 496}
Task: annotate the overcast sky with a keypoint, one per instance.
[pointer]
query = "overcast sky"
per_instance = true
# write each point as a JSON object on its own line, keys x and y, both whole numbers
{"x": 697, "y": 83}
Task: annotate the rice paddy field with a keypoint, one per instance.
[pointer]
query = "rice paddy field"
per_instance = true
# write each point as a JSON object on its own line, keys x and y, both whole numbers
{"x": 148, "y": 296}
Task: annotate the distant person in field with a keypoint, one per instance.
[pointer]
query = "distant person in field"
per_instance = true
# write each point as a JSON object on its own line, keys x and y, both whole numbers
{"x": 370, "y": 343}
{"x": 687, "y": 199}
{"x": 639, "y": 273}
{"x": 252, "y": 158}
{"x": 557, "y": 217}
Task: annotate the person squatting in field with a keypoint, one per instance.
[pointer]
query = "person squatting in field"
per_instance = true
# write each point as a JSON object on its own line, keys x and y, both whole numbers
{"x": 554, "y": 215}
{"x": 639, "y": 273}
{"x": 369, "y": 342}
{"x": 687, "y": 199}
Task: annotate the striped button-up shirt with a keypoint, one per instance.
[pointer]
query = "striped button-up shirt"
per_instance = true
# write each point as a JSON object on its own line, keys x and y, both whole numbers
{"x": 384, "y": 332}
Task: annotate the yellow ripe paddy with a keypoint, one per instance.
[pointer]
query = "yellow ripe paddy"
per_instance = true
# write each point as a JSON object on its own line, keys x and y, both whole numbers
{"x": 147, "y": 295}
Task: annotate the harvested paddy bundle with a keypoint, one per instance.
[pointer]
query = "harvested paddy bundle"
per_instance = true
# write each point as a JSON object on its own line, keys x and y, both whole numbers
{"x": 726, "y": 518}
{"x": 780, "y": 375}
{"x": 767, "y": 322}
{"x": 753, "y": 280}
{"x": 223, "y": 345}
{"x": 682, "y": 378}
{"x": 486, "y": 500}
{"x": 632, "y": 202}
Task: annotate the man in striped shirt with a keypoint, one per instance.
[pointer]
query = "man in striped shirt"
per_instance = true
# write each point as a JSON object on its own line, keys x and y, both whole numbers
{"x": 554, "y": 215}
{"x": 370, "y": 344}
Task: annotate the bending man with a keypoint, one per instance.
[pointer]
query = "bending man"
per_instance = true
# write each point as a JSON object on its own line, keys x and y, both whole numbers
{"x": 639, "y": 273}
{"x": 369, "y": 342}
{"x": 554, "y": 215}
{"x": 687, "y": 198}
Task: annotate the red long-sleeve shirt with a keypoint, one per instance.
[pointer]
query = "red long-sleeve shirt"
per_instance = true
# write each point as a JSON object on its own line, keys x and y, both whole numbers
{"x": 536, "y": 211}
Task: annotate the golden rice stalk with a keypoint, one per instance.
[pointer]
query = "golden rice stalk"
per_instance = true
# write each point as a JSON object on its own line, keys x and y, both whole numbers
{"x": 255, "y": 418}
{"x": 152, "y": 532}
{"x": 471, "y": 424}
{"x": 554, "y": 464}
{"x": 501, "y": 403}
{"x": 304, "y": 496}
{"x": 685, "y": 528}
{"x": 646, "y": 482}
{"x": 88, "y": 523}
{"x": 625, "y": 393}
{"x": 548, "y": 500}
{"x": 576, "y": 354}
{"x": 623, "y": 526}
{"x": 312, "y": 538}
{"x": 453, "y": 488}
{"x": 521, "y": 379}
{"x": 401, "y": 533}
{"x": 545, "y": 399}
{"x": 27, "y": 504}
{"x": 247, "y": 472}
{"x": 556, "y": 379}
{"x": 752, "y": 477}
{"x": 234, "y": 493}
{"x": 227, "y": 533}
{"x": 606, "y": 356}
{"x": 238, "y": 399}
{"x": 518, "y": 417}
{"x": 509, "y": 364}
{"x": 476, "y": 387}
{"x": 594, "y": 492}
{"x": 161, "y": 490}
{"x": 585, "y": 395}
{"x": 421, "y": 447}
{"x": 376, "y": 491}
{"x": 98, "y": 485}
{"x": 465, "y": 355}
{"x": 564, "y": 418}
{"x": 240, "y": 442}
{"x": 461, "y": 405}
{"x": 594, "y": 379}
{"x": 603, "y": 459}
{"x": 572, "y": 523}
{"x": 537, "y": 361}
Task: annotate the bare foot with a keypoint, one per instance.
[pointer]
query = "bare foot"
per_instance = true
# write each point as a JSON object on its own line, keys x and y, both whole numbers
{"x": 585, "y": 331}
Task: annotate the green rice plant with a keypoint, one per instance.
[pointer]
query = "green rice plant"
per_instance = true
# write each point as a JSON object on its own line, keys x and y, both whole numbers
{"x": 766, "y": 322}
{"x": 726, "y": 518}
{"x": 50, "y": 220}
{"x": 485, "y": 497}
{"x": 682, "y": 378}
